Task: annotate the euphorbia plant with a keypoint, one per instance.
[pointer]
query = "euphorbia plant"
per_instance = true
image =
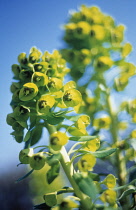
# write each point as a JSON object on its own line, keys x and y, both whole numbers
{"x": 42, "y": 100}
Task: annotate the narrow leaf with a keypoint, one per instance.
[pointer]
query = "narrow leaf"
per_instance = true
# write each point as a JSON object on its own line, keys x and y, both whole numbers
{"x": 72, "y": 118}
{"x": 65, "y": 190}
{"x": 126, "y": 185}
{"x": 60, "y": 113}
{"x": 127, "y": 192}
{"x": 103, "y": 153}
{"x": 27, "y": 136}
{"x": 82, "y": 138}
{"x": 36, "y": 134}
{"x": 54, "y": 120}
{"x": 25, "y": 176}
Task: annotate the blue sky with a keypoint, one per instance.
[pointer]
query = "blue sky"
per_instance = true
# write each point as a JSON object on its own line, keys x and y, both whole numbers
{"x": 28, "y": 23}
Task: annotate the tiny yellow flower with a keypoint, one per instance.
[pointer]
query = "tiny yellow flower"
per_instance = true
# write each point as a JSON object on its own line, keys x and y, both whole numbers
{"x": 57, "y": 140}
{"x": 93, "y": 145}
{"x": 45, "y": 103}
{"x": 109, "y": 196}
{"x": 82, "y": 29}
{"x": 103, "y": 63}
{"x": 86, "y": 163}
{"x": 41, "y": 67}
{"x": 121, "y": 82}
{"x": 72, "y": 98}
{"x": 110, "y": 181}
{"x": 55, "y": 84}
{"x": 126, "y": 49}
{"x": 103, "y": 122}
{"x": 39, "y": 79}
{"x": 97, "y": 32}
{"x": 69, "y": 85}
{"x": 82, "y": 122}
{"x": 28, "y": 91}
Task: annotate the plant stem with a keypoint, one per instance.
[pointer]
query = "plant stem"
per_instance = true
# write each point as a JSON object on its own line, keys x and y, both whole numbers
{"x": 69, "y": 171}
{"x": 120, "y": 160}
{"x": 119, "y": 163}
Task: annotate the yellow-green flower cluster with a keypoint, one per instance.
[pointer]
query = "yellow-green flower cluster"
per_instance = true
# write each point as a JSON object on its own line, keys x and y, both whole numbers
{"x": 38, "y": 88}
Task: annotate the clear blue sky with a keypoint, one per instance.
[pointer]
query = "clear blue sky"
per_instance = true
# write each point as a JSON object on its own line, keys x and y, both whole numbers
{"x": 28, "y": 23}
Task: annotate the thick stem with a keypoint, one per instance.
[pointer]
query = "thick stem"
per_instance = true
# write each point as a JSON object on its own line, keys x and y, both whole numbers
{"x": 69, "y": 170}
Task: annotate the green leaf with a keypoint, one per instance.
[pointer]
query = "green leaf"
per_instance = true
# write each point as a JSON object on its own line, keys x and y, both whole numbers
{"x": 42, "y": 206}
{"x": 127, "y": 192}
{"x": 60, "y": 113}
{"x": 53, "y": 159}
{"x": 25, "y": 176}
{"x": 53, "y": 172}
{"x": 36, "y": 134}
{"x": 86, "y": 185}
{"x": 82, "y": 138}
{"x": 23, "y": 124}
{"x": 50, "y": 198}
{"x": 72, "y": 118}
{"x": 27, "y": 136}
{"x": 54, "y": 120}
{"x": 65, "y": 190}
{"x": 103, "y": 153}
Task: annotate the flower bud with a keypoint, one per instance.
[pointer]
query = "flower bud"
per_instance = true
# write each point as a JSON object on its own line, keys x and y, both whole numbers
{"x": 10, "y": 119}
{"x": 103, "y": 63}
{"x": 37, "y": 161}
{"x": 22, "y": 59}
{"x": 15, "y": 96}
{"x": 55, "y": 84}
{"x": 25, "y": 75}
{"x": 86, "y": 163}
{"x": 14, "y": 86}
{"x": 16, "y": 70}
{"x": 21, "y": 113}
{"x": 25, "y": 155}
{"x": 28, "y": 91}
{"x": 33, "y": 57}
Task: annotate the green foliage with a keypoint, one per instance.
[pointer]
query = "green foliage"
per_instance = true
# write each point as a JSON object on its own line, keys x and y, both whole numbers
{"x": 73, "y": 112}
